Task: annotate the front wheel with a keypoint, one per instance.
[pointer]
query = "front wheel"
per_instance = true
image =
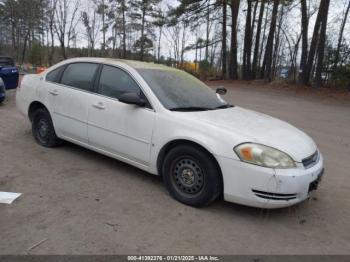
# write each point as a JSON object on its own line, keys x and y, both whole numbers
{"x": 191, "y": 175}
{"x": 43, "y": 130}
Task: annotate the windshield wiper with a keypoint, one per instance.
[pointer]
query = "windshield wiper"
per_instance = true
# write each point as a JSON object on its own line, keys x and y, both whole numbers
{"x": 222, "y": 106}
{"x": 197, "y": 108}
{"x": 190, "y": 108}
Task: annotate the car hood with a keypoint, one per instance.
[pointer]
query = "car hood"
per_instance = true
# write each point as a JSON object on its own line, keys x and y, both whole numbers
{"x": 260, "y": 128}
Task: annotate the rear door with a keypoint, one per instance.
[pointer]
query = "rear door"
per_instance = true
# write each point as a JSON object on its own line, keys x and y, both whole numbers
{"x": 117, "y": 128}
{"x": 68, "y": 98}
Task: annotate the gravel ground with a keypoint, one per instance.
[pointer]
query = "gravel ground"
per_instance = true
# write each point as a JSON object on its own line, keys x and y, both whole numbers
{"x": 79, "y": 202}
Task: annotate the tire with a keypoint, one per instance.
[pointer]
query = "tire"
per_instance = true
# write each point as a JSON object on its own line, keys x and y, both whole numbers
{"x": 43, "y": 129}
{"x": 191, "y": 176}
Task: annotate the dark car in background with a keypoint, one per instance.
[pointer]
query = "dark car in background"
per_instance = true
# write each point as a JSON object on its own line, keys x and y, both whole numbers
{"x": 2, "y": 91}
{"x": 8, "y": 72}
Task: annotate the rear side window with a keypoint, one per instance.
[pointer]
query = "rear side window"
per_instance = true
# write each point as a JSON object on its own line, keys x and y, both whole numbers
{"x": 80, "y": 75}
{"x": 114, "y": 82}
{"x": 55, "y": 75}
{"x": 6, "y": 62}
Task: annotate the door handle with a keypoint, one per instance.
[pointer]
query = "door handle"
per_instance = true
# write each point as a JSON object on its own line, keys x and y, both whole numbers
{"x": 99, "y": 106}
{"x": 54, "y": 92}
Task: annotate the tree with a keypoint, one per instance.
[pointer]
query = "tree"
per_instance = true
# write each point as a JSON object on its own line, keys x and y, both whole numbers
{"x": 145, "y": 43}
{"x": 160, "y": 22}
{"x": 257, "y": 39}
{"x": 25, "y": 21}
{"x": 173, "y": 30}
{"x": 314, "y": 43}
{"x": 10, "y": 15}
{"x": 35, "y": 54}
{"x": 233, "y": 67}
{"x": 278, "y": 41}
{"x": 207, "y": 30}
{"x": 266, "y": 70}
{"x": 269, "y": 38}
{"x": 31, "y": 19}
{"x": 66, "y": 21}
{"x": 247, "y": 43}
{"x": 304, "y": 33}
{"x": 91, "y": 28}
{"x": 177, "y": 37}
{"x": 321, "y": 44}
{"x": 117, "y": 12}
{"x": 260, "y": 56}
{"x": 224, "y": 35}
{"x": 102, "y": 9}
{"x": 123, "y": 9}
{"x": 51, "y": 20}
{"x": 340, "y": 38}
{"x": 145, "y": 10}
{"x": 200, "y": 11}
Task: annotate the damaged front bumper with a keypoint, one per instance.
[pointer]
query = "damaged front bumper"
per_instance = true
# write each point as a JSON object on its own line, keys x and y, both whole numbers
{"x": 266, "y": 187}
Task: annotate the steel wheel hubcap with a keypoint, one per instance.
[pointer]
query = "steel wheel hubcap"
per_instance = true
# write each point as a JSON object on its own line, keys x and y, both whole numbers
{"x": 43, "y": 128}
{"x": 188, "y": 176}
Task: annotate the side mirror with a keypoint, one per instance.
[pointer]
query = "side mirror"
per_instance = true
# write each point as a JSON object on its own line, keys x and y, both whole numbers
{"x": 132, "y": 99}
{"x": 221, "y": 90}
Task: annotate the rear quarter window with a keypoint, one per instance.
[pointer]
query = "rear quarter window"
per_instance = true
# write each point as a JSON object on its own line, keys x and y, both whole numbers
{"x": 55, "y": 75}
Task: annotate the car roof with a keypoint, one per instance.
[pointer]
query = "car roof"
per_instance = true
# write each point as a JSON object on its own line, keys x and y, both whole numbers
{"x": 132, "y": 63}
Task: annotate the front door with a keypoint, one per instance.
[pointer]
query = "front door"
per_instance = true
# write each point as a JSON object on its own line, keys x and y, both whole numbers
{"x": 120, "y": 129}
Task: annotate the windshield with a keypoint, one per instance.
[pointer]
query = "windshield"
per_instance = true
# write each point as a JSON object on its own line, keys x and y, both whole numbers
{"x": 6, "y": 62}
{"x": 178, "y": 90}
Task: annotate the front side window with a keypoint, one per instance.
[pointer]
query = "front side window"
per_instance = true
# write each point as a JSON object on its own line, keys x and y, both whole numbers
{"x": 80, "y": 75}
{"x": 114, "y": 82}
{"x": 55, "y": 75}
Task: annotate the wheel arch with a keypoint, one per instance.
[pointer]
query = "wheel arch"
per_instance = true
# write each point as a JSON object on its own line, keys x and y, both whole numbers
{"x": 176, "y": 142}
{"x": 35, "y": 105}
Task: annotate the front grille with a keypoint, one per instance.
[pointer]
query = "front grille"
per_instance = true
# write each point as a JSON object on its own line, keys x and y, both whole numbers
{"x": 274, "y": 196}
{"x": 311, "y": 160}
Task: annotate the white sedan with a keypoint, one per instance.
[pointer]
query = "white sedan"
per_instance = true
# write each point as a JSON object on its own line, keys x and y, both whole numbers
{"x": 168, "y": 123}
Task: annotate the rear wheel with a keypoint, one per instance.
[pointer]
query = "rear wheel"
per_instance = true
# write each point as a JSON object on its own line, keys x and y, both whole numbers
{"x": 43, "y": 130}
{"x": 191, "y": 175}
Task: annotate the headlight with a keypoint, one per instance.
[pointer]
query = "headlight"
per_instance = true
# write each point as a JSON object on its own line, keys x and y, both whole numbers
{"x": 264, "y": 156}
